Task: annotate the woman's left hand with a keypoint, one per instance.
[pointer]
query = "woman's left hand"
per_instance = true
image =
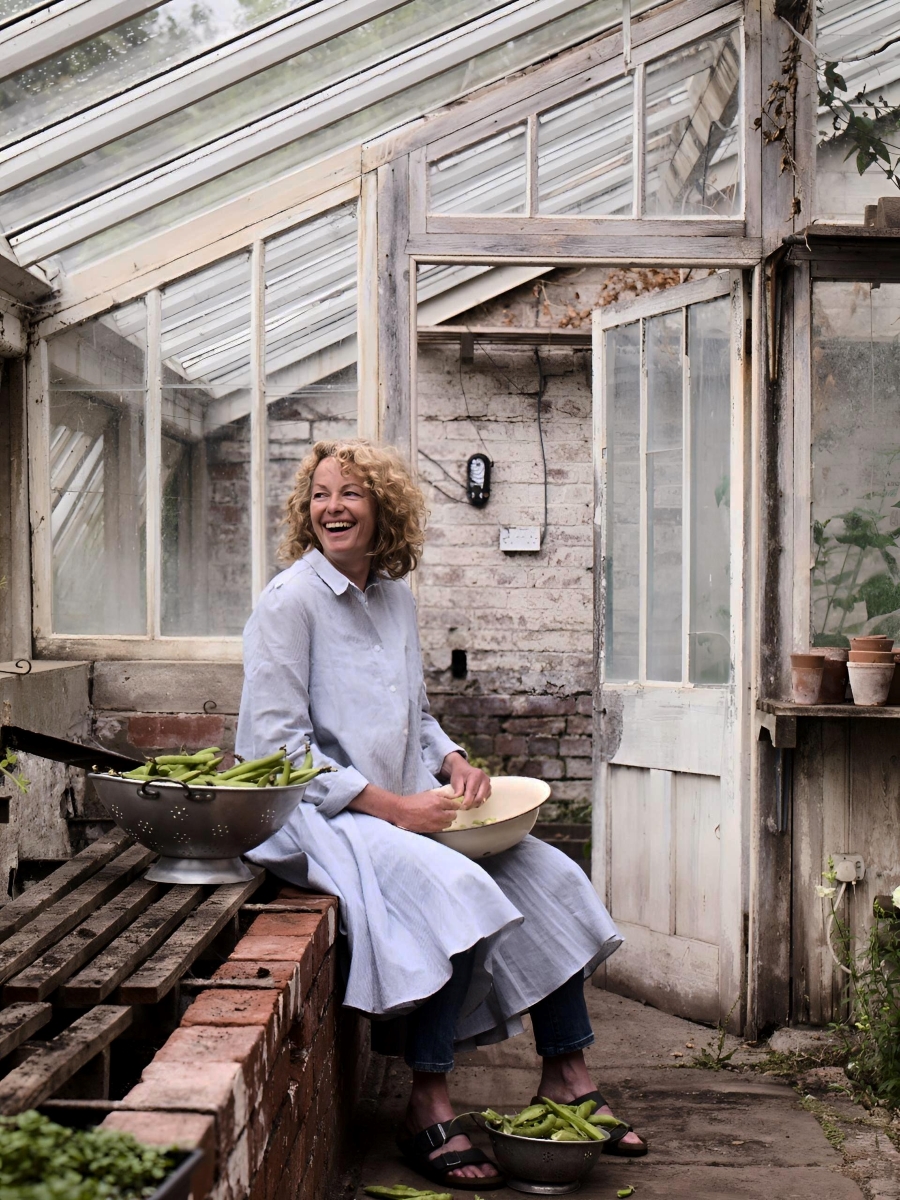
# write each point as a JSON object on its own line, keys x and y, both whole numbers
{"x": 466, "y": 781}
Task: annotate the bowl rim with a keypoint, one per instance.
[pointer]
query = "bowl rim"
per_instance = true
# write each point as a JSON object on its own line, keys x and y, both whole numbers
{"x": 548, "y": 1141}
{"x": 503, "y": 820}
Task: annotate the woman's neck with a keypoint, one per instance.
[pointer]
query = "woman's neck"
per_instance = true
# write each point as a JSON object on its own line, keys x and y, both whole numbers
{"x": 356, "y": 569}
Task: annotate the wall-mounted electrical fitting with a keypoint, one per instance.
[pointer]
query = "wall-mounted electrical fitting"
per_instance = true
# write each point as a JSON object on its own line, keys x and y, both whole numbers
{"x": 849, "y": 868}
{"x": 527, "y": 539}
{"x": 478, "y": 480}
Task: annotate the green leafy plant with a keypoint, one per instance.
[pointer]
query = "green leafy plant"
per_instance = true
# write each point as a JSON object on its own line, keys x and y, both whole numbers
{"x": 8, "y": 765}
{"x": 40, "y": 1160}
{"x": 866, "y": 536}
{"x": 871, "y": 1036}
{"x": 862, "y": 123}
{"x": 714, "y": 1057}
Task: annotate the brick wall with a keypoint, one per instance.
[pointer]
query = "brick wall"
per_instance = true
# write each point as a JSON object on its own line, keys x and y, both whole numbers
{"x": 525, "y": 620}
{"x": 264, "y": 1078}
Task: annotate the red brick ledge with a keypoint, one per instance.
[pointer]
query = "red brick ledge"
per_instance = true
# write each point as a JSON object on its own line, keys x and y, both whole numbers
{"x": 251, "y": 1075}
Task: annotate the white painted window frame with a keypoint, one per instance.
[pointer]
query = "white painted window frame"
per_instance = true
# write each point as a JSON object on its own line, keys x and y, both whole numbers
{"x": 723, "y": 283}
{"x": 153, "y": 644}
{"x": 622, "y": 57}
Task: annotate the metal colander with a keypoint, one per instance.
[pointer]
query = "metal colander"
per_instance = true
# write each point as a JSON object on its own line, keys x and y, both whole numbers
{"x": 542, "y": 1167}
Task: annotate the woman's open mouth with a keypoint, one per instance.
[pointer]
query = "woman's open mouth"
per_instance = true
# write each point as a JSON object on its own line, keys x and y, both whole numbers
{"x": 336, "y": 528}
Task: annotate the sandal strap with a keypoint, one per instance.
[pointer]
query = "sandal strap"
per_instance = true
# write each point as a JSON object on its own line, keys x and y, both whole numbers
{"x": 428, "y": 1139}
{"x": 458, "y": 1158}
{"x": 597, "y": 1097}
{"x": 618, "y": 1132}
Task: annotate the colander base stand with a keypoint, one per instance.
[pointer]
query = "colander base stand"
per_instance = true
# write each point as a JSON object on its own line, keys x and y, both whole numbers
{"x": 202, "y": 870}
{"x": 543, "y": 1189}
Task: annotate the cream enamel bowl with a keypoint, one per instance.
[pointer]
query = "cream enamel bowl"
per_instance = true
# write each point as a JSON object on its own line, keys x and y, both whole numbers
{"x": 509, "y": 812}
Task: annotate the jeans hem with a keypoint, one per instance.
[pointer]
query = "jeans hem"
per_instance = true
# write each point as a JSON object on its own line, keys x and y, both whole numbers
{"x": 570, "y": 1048}
{"x": 431, "y": 1068}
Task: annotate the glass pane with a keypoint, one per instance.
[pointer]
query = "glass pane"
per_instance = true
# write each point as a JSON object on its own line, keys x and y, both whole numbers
{"x": 488, "y": 177}
{"x": 664, "y": 495}
{"x": 692, "y": 123}
{"x": 311, "y": 390}
{"x": 622, "y": 354}
{"x": 709, "y": 348}
{"x": 205, "y": 343}
{"x": 33, "y": 202}
{"x": 846, "y": 30}
{"x": 585, "y": 153}
{"x": 147, "y": 45}
{"x": 855, "y": 578}
{"x": 97, "y": 474}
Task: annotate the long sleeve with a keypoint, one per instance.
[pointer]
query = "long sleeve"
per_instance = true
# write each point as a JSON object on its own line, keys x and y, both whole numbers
{"x": 436, "y": 745}
{"x": 275, "y": 707}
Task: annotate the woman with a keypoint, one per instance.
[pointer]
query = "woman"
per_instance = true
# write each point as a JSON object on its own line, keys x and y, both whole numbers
{"x": 462, "y": 950}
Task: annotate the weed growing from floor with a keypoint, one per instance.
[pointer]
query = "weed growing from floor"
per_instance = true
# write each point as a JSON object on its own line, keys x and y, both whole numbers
{"x": 871, "y": 1036}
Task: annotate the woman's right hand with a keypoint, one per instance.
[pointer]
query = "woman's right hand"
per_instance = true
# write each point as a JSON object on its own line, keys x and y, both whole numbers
{"x": 426, "y": 812}
{"x": 423, "y": 812}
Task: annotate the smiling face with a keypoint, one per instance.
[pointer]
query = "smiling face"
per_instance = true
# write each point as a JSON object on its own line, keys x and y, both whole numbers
{"x": 343, "y": 513}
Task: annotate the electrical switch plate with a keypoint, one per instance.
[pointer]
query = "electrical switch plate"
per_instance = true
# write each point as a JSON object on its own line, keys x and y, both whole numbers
{"x": 849, "y": 868}
{"x": 527, "y": 538}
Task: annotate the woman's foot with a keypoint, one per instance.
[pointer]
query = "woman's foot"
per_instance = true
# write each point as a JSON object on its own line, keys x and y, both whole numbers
{"x": 565, "y": 1078}
{"x": 429, "y": 1102}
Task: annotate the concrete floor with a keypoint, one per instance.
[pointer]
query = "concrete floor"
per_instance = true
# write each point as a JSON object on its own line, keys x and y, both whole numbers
{"x": 713, "y": 1134}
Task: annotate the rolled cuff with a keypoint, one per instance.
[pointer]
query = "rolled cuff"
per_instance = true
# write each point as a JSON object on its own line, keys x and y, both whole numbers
{"x": 332, "y": 792}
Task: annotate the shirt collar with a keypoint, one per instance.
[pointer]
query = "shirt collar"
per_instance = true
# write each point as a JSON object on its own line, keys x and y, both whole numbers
{"x": 329, "y": 573}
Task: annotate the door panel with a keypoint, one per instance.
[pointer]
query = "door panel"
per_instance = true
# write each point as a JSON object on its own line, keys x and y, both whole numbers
{"x": 671, "y": 387}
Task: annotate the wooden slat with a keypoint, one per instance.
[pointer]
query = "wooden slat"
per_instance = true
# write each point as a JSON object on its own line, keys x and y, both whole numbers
{"x": 132, "y": 947}
{"x": 160, "y": 974}
{"x": 19, "y": 1022}
{"x": 55, "y": 922}
{"x": 498, "y": 334}
{"x": 49, "y": 1068}
{"x": 87, "y": 939}
{"x": 80, "y": 867}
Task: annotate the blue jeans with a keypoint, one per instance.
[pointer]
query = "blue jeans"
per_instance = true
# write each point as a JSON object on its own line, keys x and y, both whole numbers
{"x": 560, "y": 1021}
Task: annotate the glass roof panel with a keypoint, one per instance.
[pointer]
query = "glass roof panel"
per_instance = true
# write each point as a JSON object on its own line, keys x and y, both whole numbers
{"x": 403, "y": 105}
{"x": 207, "y": 120}
{"x": 11, "y": 9}
{"x": 585, "y": 153}
{"x": 852, "y": 33}
{"x": 122, "y": 57}
{"x": 205, "y": 329}
{"x": 692, "y": 120}
{"x": 487, "y": 177}
{"x": 310, "y": 298}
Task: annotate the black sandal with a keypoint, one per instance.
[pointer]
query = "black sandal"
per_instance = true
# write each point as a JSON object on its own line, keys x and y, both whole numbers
{"x": 417, "y": 1147}
{"x": 613, "y": 1144}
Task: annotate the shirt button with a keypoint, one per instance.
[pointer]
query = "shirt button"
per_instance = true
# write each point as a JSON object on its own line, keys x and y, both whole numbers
{"x": 393, "y": 689}
{"x": 377, "y": 649}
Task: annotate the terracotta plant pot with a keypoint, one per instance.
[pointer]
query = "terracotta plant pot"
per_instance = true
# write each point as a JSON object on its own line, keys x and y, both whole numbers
{"x": 807, "y": 671}
{"x": 871, "y": 683}
{"x": 812, "y": 658}
{"x": 834, "y": 677}
{"x": 872, "y": 641}
{"x": 870, "y": 656}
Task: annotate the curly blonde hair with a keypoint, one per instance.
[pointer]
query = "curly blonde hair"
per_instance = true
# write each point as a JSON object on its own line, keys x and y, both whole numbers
{"x": 400, "y": 520}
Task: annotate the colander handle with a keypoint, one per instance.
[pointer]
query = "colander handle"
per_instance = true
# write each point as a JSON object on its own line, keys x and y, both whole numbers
{"x": 148, "y": 793}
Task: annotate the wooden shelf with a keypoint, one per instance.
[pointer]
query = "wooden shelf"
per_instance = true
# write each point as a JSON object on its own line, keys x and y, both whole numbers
{"x": 783, "y": 708}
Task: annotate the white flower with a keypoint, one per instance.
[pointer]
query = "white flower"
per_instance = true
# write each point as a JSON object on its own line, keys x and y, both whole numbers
{"x": 895, "y": 897}
{"x": 825, "y": 893}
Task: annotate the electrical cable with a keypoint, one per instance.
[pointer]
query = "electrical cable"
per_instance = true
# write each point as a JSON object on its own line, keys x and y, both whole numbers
{"x": 542, "y": 386}
{"x": 828, "y": 929}
{"x": 462, "y": 388}
{"x": 440, "y": 466}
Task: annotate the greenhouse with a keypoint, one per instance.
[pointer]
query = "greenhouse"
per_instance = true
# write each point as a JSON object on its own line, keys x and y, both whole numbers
{"x": 620, "y": 281}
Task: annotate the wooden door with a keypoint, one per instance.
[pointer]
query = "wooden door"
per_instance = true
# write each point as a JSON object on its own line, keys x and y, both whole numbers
{"x": 670, "y": 853}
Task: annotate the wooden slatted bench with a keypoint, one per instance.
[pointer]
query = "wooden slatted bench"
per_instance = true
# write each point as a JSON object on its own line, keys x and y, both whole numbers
{"x": 84, "y": 946}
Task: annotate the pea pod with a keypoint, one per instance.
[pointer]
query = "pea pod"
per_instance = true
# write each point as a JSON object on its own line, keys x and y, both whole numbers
{"x": 566, "y": 1135}
{"x": 585, "y": 1109}
{"x": 541, "y": 1129}
{"x": 532, "y": 1113}
{"x": 575, "y": 1122}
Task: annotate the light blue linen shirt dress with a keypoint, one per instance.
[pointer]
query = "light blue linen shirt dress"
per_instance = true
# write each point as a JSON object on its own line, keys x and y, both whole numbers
{"x": 327, "y": 663}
